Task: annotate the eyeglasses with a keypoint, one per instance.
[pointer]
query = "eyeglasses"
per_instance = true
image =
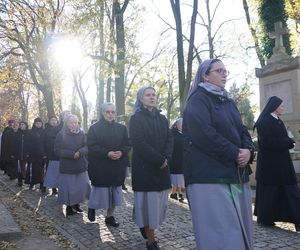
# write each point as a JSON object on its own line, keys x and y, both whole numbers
{"x": 221, "y": 71}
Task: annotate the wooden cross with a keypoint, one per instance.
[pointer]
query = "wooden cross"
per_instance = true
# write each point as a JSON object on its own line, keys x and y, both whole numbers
{"x": 278, "y": 33}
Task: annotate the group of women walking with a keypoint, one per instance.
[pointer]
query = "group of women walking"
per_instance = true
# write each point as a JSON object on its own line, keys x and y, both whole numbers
{"x": 210, "y": 145}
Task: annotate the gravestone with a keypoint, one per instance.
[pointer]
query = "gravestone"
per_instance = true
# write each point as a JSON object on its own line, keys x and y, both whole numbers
{"x": 281, "y": 77}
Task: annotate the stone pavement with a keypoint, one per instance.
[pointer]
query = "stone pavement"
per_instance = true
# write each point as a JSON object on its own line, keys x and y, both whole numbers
{"x": 175, "y": 233}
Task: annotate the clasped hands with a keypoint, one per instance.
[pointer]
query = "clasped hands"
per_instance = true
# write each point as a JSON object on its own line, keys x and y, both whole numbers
{"x": 114, "y": 155}
{"x": 77, "y": 155}
{"x": 243, "y": 157}
{"x": 164, "y": 164}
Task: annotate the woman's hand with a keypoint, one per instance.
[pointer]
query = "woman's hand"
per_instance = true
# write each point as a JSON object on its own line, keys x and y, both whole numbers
{"x": 114, "y": 155}
{"x": 164, "y": 164}
{"x": 77, "y": 155}
{"x": 243, "y": 157}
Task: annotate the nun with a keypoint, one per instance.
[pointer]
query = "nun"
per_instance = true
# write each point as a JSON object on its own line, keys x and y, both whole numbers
{"x": 18, "y": 151}
{"x": 73, "y": 184}
{"x": 217, "y": 153}
{"x": 277, "y": 192}
{"x": 152, "y": 144}
{"x": 177, "y": 179}
{"x": 11, "y": 163}
{"x": 6, "y": 140}
{"x": 52, "y": 173}
{"x": 108, "y": 147}
{"x": 35, "y": 155}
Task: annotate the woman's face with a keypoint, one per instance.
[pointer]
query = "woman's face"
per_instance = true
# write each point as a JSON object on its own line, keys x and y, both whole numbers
{"x": 149, "y": 98}
{"x": 53, "y": 122}
{"x": 72, "y": 124}
{"x": 217, "y": 75}
{"x": 280, "y": 109}
{"x": 22, "y": 126}
{"x": 110, "y": 113}
{"x": 15, "y": 126}
{"x": 38, "y": 124}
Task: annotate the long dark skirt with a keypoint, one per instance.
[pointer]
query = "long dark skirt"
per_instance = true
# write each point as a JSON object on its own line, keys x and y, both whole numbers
{"x": 11, "y": 168}
{"x": 277, "y": 203}
{"x": 35, "y": 172}
{"x": 21, "y": 167}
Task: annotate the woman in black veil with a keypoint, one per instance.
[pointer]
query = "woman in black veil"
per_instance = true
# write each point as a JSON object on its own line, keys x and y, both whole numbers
{"x": 277, "y": 192}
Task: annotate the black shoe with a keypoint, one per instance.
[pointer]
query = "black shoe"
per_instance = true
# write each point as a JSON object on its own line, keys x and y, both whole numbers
{"x": 181, "y": 199}
{"x": 143, "y": 232}
{"x": 297, "y": 227}
{"x": 69, "y": 211}
{"x": 124, "y": 187}
{"x": 268, "y": 224}
{"x": 42, "y": 188}
{"x": 111, "y": 221}
{"x": 54, "y": 191}
{"x": 174, "y": 196}
{"x": 20, "y": 182}
{"x": 77, "y": 208}
{"x": 31, "y": 186}
{"x": 91, "y": 214}
{"x": 152, "y": 246}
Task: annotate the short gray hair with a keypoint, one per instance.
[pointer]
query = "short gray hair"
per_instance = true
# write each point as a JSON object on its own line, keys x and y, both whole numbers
{"x": 105, "y": 105}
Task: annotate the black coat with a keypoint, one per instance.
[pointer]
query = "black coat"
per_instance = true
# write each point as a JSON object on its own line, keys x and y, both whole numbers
{"x": 49, "y": 139}
{"x": 18, "y": 146}
{"x": 274, "y": 164}
{"x": 177, "y": 156}
{"x": 102, "y": 138}
{"x": 6, "y": 146}
{"x": 7, "y": 162}
{"x": 152, "y": 143}
{"x": 213, "y": 134}
{"x": 34, "y": 145}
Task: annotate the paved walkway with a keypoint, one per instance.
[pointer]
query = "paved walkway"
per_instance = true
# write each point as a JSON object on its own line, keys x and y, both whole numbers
{"x": 175, "y": 233}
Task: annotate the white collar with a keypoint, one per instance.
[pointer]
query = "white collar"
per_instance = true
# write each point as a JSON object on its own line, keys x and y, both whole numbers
{"x": 274, "y": 115}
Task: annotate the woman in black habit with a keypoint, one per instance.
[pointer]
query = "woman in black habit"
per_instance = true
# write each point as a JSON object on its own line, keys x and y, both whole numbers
{"x": 277, "y": 192}
{"x": 18, "y": 151}
{"x": 10, "y": 163}
{"x": 177, "y": 178}
{"x": 36, "y": 155}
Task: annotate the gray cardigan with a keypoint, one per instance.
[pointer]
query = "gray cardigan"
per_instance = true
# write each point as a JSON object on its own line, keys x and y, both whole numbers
{"x": 65, "y": 146}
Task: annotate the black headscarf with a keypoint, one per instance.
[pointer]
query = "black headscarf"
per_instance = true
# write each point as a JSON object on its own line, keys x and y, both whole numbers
{"x": 26, "y": 124}
{"x": 272, "y": 104}
{"x": 35, "y": 121}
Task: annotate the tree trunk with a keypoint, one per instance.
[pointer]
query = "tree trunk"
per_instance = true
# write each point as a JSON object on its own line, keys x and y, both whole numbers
{"x": 78, "y": 85}
{"x": 120, "y": 63}
{"x": 190, "y": 53}
{"x": 209, "y": 33}
{"x": 101, "y": 83}
{"x": 180, "y": 56}
{"x": 111, "y": 57}
{"x": 254, "y": 35}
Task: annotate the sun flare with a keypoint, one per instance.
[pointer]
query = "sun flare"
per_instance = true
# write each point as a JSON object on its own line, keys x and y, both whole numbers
{"x": 68, "y": 53}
